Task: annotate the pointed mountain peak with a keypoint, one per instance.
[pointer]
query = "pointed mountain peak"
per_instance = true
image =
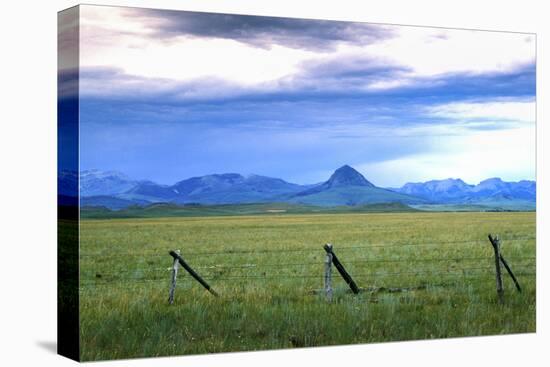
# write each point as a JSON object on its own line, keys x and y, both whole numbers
{"x": 347, "y": 176}
{"x": 347, "y": 168}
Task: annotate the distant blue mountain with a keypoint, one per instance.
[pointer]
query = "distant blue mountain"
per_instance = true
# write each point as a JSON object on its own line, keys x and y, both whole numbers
{"x": 227, "y": 188}
{"x": 149, "y": 191}
{"x": 344, "y": 176}
{"x": 95, "y": 182}
{"x": 456, "y": 191}
{"x": 437, "y": 190}
{"x": 346, "y": 186}
{"x": 233, "y": 188}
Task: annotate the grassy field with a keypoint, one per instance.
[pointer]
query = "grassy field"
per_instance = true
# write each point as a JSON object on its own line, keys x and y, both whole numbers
{"x": 173, "y": 210}
{"x": 425, "y": 275}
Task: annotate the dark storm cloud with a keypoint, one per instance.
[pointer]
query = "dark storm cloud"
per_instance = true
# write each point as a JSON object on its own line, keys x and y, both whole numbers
{"x": 259, "y": 31}
{"x": 300, "y": 105}
{"x": 343, "y": 74}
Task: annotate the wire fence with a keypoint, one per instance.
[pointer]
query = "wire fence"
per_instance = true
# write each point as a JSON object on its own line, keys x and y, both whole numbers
{"x": 478, "y": 271}
{"x": 280, "y": 265}
{"x": 237, "y": 251}
{"x": 131, "y": 283}
{"x": 276, "y": 271}
{"x": 355, "y": 260}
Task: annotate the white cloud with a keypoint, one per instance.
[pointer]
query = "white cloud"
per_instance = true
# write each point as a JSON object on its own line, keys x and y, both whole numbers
{"x": 509, "y": 154}
{"x": 430, "y": 52}
{"x": 112, "y": 38}
{"x": 389, "y": 84}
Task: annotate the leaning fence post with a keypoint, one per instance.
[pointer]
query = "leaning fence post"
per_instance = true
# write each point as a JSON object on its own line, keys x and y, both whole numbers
{"x": 496, "y": 247}
{"x": 328, "y": 273}
{"x": 192, "y": 272}
{"x": 509, "y": 270}
{"x": 175, "y": 267}
{"x": 506, "y": 266}
{"x": 338, "y": 265}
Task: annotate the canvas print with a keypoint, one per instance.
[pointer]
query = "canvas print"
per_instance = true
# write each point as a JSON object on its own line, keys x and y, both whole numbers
{"x": 236, "y": 183}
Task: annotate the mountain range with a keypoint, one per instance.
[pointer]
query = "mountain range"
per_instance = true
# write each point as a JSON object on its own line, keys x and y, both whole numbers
{"x": 459, "y": 192}
{"x": 345, "y": 186}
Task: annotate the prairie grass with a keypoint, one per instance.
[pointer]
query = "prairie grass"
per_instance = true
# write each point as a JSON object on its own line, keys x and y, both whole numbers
{"x": 425, "y": 275}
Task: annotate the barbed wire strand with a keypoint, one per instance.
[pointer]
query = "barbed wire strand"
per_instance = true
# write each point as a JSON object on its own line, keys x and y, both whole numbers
{"x": 157, "y": 282}
{"x": 210, "y": 277}
{"x": 365, "y": 261}
{"x": 256, "y": 251}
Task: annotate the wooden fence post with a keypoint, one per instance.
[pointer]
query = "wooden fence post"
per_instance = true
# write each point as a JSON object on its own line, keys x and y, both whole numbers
{"x": 338, "y": 265}
{"x": 509, "y": 270}
{"x": 496, "y": 247}
{"x": 328, "y": 274}
{"x": 191, "y": 272}
{"x": 505, "y": 263}
{"x": 175, "y": 267}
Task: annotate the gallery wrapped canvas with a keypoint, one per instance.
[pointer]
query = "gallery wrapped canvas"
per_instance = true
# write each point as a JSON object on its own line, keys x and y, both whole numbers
{"x": 235, "y": 183}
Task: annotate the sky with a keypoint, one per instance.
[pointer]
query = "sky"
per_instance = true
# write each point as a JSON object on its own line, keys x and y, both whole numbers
{"x": 167, "y": 95}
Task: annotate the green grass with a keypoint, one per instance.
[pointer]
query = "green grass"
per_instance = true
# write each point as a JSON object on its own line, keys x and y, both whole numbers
{"x": 268, "y": 271}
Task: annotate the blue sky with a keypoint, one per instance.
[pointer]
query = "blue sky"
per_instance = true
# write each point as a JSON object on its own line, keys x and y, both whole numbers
{"x": 168, "y": 95}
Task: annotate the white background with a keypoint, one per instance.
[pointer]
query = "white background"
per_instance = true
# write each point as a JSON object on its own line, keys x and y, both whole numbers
{"x": 28, "y": 182}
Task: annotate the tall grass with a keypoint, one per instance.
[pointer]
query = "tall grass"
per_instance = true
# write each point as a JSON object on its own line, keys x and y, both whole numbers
{"x": 426, "y": 275}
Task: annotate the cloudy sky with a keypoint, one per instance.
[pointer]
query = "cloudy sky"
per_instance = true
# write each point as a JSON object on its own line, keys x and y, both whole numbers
{"x": 167, "y": 95}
